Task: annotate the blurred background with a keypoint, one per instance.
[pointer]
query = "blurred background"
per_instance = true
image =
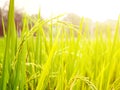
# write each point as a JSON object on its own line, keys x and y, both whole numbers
{"x": 102, "y": 11}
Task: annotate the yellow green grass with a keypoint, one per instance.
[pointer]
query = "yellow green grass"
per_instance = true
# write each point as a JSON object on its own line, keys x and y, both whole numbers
{"x": 58, "y": 62}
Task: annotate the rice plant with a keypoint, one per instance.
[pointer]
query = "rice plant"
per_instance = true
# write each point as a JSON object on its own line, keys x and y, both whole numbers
{"x": 58, "y": 59}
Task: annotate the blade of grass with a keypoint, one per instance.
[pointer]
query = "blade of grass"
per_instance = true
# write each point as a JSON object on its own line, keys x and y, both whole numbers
{"x": 47, "y": 65}
{"x": 11, "y": 45}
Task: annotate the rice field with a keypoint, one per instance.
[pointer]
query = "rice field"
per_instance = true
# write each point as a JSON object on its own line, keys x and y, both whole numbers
{"x": 58, "y": 59}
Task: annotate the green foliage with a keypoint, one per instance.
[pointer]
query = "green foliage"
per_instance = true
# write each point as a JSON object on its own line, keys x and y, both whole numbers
{"x": 58, "y": 59}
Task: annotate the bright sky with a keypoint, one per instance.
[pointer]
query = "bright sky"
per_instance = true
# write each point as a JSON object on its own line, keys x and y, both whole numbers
{"x": 97, "y": 10}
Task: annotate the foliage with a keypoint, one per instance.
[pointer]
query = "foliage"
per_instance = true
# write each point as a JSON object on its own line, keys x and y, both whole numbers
{"x": 62, "y": 62}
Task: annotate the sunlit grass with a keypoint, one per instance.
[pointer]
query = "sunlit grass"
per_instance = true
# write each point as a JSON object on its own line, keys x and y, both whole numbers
{"x": 58, "y": 59}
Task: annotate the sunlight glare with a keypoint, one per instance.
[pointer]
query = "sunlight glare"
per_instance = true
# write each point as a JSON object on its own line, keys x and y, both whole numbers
{"x": 97, "y": 10}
